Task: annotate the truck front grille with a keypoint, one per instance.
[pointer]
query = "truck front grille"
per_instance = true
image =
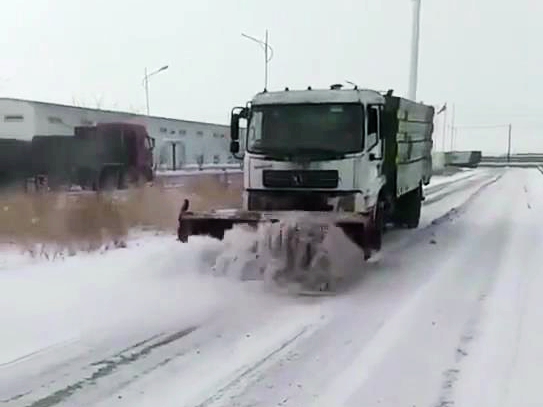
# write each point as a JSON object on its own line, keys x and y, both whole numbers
{"x": 300, "y": 179}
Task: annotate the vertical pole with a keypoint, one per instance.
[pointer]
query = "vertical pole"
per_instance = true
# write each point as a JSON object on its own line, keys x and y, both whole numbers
{"x": 266, "y": 61}
{"x": 452, "y": 127}
{"x": 444, "y": 128}
{"x": 147, "y": 91}
{"x": 174, "y": 158}
{"x": 413, "y": 74}
{"x": 509, "y": 143}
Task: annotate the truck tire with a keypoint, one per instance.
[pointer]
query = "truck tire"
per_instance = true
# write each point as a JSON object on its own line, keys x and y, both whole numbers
{"x": 413, "y": 208}
{"x": 378, "y": 226}
{"x": 109, "y": 179}
{"x": 408, "y": 209}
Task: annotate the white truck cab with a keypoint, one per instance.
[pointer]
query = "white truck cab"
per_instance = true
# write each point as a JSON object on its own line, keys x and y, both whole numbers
{"x": 313, "y": 149}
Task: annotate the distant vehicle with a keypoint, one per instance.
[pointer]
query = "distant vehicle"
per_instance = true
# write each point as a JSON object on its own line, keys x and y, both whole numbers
{"x": 468, "y": 159}
{"x": 105, "y": 156}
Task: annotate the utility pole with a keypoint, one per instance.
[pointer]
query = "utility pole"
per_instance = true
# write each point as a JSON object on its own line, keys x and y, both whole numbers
{"x": 509, "y": 143}
{"x": 452, "y": 127}
{"x": 415, "y": 34}
{"x": 146, "y": 83}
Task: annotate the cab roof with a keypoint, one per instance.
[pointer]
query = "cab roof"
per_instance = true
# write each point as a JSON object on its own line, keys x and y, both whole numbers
{"x": 318, "y": 96}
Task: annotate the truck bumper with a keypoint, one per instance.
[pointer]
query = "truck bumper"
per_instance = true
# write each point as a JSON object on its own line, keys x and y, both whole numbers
{"x": 216, "y": 223}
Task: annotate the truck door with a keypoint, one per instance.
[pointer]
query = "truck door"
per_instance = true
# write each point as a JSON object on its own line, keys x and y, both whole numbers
{"x": 374, "y": 150}
{"x": 374, "y": 140}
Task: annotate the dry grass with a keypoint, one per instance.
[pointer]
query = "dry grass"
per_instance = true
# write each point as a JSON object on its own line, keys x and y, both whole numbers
{"x": 70, "y": 222}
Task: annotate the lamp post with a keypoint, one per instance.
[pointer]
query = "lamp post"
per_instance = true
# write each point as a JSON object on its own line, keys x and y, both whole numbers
{"x": 146, "y": 83}
{"x": 413, "y": 73}
{"x": 268, "y": 54}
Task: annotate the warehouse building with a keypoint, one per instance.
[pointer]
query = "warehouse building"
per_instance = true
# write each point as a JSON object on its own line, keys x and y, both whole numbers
{"x": 179, "y": 143}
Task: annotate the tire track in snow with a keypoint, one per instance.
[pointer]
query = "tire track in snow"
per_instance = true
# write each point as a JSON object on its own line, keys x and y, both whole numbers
{"x": 231, "y": 355}
{"x": 402, "y": 241}
{"x": 36, "y": 353}
{"x": 453, "y": 295}
{"x": 452, "y": 375}
{"x": 104, "y": 368}
{"x": 455, "y": 187}
{"x": 505, "y": 351}
{"x": 473, "y": 326}
{"x": 251, "y": 370}
{"x": 433, "y": 189}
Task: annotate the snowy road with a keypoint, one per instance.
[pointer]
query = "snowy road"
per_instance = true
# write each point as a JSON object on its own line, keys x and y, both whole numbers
{"x": 450, "y": 314}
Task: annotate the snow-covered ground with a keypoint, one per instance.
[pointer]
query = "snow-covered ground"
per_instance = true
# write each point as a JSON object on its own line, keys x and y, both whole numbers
{"x": 449, "y": 315}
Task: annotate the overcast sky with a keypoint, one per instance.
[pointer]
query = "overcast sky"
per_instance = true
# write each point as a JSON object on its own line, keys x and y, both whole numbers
{"x": 482, "y": 55}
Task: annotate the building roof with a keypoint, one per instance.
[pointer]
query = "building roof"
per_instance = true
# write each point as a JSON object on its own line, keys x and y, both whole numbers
{"x": 37, "y": 102}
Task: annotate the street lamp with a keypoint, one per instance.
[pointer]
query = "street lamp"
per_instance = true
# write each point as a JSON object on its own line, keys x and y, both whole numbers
{"x": 146, "y": 83}
{"x": 413, "y": 74}
{"x": 268, "y": 54}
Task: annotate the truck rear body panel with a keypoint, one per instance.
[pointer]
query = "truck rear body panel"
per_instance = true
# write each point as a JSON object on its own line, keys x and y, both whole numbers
{"x": 407, "y": 131}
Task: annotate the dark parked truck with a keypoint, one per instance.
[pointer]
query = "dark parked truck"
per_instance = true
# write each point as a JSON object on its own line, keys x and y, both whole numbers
{"x": 14, "y": 161}
{"x": 355, "y": 158}
{"x": 105, "y": 156}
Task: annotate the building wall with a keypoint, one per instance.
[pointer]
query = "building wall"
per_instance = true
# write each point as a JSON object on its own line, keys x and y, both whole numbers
{"x": 16, "y": 120}
{"x": 196, "y": 142}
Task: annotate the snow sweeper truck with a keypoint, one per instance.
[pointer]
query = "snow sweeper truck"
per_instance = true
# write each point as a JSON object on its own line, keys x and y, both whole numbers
{"x": 353, "y": 158}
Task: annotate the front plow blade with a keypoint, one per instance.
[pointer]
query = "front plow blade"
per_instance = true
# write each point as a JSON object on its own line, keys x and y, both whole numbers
{"x": 286, "y": 247}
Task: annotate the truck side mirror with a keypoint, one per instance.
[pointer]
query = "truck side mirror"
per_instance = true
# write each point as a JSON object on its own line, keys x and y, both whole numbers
{"x": 237, "y": 113}
{"x": 234, "y": 146}
{"x": 234, "y": 126}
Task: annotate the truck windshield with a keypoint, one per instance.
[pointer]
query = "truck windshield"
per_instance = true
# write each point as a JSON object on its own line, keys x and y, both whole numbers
{"x": 306, "y": 129}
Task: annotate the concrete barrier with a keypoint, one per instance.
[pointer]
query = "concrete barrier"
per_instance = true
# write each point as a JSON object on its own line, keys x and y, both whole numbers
{"x": 470, "y": 159}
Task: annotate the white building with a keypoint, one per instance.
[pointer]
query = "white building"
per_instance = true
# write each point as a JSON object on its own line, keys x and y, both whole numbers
{"x": 195, "y": 142}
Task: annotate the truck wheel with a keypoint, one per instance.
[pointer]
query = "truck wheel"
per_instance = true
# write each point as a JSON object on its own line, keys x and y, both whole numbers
{"x": 123, "y": 179}
{"x": 109, "y": 180}
{"x": 378, "y": 226}
{"x": 413, "y": 209}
